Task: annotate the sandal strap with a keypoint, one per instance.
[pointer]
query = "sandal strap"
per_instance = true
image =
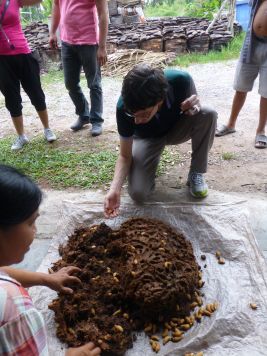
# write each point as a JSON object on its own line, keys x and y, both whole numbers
{"x": 261, "y": 138}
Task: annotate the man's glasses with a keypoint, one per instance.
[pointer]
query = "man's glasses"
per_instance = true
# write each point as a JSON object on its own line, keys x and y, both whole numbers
{"x": 144, "y": 113}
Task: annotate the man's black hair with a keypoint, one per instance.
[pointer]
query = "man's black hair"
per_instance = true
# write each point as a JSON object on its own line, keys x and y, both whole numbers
{"x": 20, "y": 197}
{"x": 143, "y": 87}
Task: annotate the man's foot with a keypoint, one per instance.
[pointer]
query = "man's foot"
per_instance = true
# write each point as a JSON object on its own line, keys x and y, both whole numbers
{"x": 261, "y": 141}
{"x": 80, "y": 123}
{"x": 19, "y": 143}
{"x": 197, "y": 185}
{"x": 49, "y": 135}
{"x": 224, "y": 130}
{"x": 96, "y": 129}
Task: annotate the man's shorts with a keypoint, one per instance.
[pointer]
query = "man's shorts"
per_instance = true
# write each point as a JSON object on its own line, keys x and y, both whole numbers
{"x": 246, "y": 74}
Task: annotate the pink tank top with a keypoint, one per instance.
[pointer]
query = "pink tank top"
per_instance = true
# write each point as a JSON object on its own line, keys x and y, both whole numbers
{"x": 12, "y": 28}
{"x": 78, "y": 22}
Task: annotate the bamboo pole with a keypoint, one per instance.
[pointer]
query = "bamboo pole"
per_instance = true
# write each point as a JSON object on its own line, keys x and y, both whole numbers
{"x": 232, "y": 16}
{"x": 217, "y": 16}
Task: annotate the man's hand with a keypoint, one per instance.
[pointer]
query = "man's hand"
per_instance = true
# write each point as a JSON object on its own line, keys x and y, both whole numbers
{"x": 87, "y": 350}
{"x": 53, "y": 41}
{"x": 112, "y": 204}
{"x": 102, "y": 56}
{"x": 191, "y": 105}
{"x": 61, "y": 280}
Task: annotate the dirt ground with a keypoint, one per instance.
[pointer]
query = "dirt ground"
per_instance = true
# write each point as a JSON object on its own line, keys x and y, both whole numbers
{"x": 244, "y": 172}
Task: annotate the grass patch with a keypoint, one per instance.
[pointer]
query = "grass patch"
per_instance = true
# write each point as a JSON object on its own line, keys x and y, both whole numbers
{"x": 231, "y": 51}
{"x": 52, "y": 77}
{"x": 65, "y": 166}
{"x": 62, "y": 167}
{"x": 167, "y": 159}
{"x": 228, "y": 156}
{"x": 175, "y": 8}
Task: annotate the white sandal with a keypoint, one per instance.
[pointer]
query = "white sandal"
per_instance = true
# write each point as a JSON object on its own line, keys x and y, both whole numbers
{"x": 224, "y": 130}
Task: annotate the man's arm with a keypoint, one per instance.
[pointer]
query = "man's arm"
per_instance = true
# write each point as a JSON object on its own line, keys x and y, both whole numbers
{"x": 191, "y": 105}
{"x": 102, "y": 11}
{"x": 122, "y": 168}
{"x": 54, "y": 24}
{"x": 59, "y": 281}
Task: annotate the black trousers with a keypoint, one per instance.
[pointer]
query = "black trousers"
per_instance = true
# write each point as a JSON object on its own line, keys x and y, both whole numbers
{"x": 16, "y": 70}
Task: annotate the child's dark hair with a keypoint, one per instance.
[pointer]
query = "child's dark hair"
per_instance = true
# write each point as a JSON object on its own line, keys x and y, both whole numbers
{"x": 20, "y": 197}
{"x": 143, "y": 87}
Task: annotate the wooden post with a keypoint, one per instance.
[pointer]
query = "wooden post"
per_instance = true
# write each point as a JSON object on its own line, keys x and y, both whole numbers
{"x": 217, "y": 16}
{"x": 231, "y": 16}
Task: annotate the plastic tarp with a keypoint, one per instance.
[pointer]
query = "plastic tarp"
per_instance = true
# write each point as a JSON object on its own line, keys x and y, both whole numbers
{"x": 220, "y": 223}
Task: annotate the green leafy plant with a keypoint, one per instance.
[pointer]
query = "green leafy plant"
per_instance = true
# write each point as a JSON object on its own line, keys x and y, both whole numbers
{"x": 165, "y": 8}
{"x": 231, "y": 51}
{"x": 31, "y": 14}
{"x": 228, "y": 156}
{"x": 202, "y": 8}
{"x": 47, "y": 5}
{"x": 61, "y": 165}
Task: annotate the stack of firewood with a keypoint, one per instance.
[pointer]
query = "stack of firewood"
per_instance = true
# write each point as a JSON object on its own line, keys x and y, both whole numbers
{"x": 175, "y": 39}
{"x": 37, "y": 35}
{"x": 176, "y": 35}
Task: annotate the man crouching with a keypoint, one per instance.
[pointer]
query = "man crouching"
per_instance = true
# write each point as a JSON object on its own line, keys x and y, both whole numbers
{"x": 156, "y": 109}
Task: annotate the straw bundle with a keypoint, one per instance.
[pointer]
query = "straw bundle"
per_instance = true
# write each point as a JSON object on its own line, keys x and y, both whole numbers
{"x": 120, "y": 62}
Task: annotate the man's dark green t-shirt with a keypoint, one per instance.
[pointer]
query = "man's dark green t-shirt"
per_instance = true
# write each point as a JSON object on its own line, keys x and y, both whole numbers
{"x": 181, "y": 87}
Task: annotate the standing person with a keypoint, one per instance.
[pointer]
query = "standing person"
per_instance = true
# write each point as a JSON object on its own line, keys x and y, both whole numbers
{"x": 83, "y": 45}
{"x": 158, "y": 109}
{"x": 19, "y": 67}
{"x": 252, "y": 62}
{"x": 22, "y": 328}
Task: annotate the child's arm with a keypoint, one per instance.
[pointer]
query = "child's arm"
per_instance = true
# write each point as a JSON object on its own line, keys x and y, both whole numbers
{"x": 59, "y": 281}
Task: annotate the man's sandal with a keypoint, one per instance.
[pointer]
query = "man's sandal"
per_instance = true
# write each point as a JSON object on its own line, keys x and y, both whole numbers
{"x": 224, "y": 130}
{"x": 261, "y": 141}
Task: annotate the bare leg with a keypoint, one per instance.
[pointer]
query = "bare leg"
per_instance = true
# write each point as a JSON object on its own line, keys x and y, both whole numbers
{"x": 263, "y": 116}
{"x": 262, "y": 122}
{"x": 238, "y": 102}
{"x": 48, "y": 133}
{"x": 43, "y": 115}
{"x": 18, "y": 123}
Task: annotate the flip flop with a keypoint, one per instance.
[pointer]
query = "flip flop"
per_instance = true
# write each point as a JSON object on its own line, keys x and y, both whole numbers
{"x": 224, "y": 130}
{"x": 261, "y": 141}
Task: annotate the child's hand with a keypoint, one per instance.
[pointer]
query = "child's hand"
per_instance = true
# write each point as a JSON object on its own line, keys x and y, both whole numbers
{"x": 61, "y": 280}
{"x": 87, "y": 350}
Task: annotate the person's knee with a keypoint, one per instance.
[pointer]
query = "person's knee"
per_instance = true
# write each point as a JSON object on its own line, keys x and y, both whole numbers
{"x": 38, "y": 100}
{"x": 71, "y": 86}
{"x": 15, "y": 108}
{"x": 138, "y": 195}
{"x": 210, "y": 115}
{"x": 96, "y": 88}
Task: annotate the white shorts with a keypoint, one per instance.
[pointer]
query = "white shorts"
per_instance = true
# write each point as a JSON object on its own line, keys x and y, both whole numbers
{"x": 246, "y": 74}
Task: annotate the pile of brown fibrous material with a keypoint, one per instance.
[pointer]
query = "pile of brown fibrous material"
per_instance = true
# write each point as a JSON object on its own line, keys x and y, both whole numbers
{"x": 138, "y": 277}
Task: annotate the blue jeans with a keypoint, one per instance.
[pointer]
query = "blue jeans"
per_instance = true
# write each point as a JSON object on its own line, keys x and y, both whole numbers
{"x": 74, "y": 58}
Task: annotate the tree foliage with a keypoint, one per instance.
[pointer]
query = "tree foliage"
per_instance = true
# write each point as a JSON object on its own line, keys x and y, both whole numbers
{"x": 47, "y": 5}
{"x": 202, "y": 8}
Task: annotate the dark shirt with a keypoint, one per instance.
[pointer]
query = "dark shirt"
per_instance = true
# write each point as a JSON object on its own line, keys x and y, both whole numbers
{"x": 181, "y": 86}
{"x": 251, "y": 39}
